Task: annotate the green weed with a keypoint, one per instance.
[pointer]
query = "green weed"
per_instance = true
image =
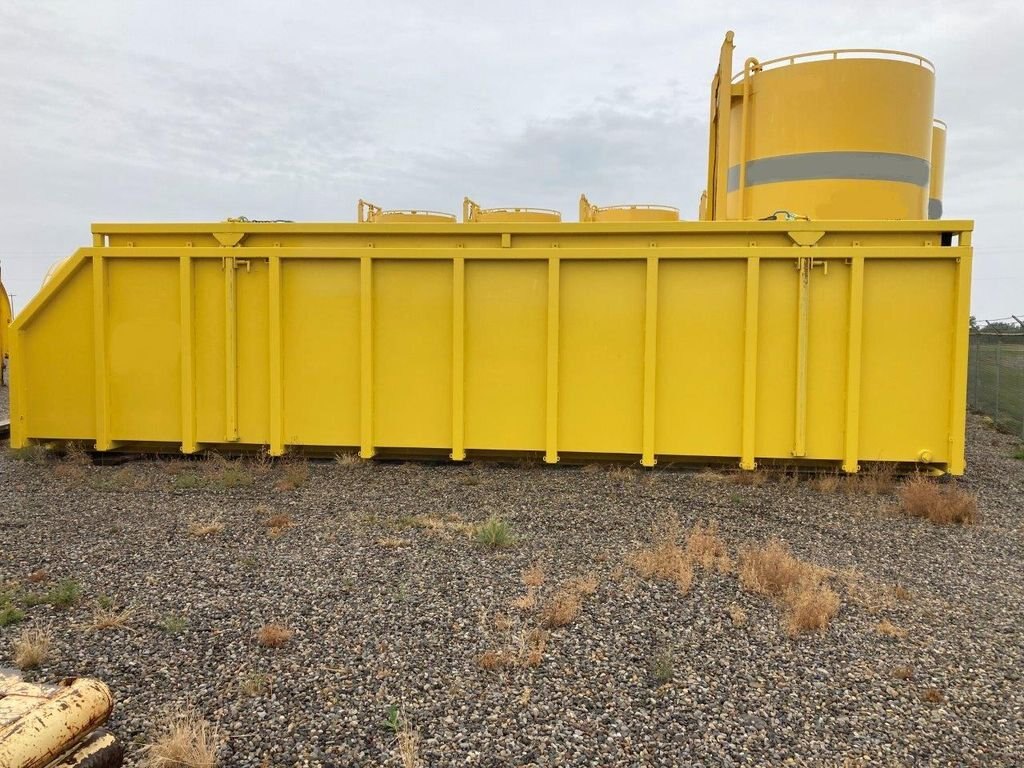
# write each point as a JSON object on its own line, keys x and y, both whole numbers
{"x": 494, "y": 533}
{"x": 10, "y": 615}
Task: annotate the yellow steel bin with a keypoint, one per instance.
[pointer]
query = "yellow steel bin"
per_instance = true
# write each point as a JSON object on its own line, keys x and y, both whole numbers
{"x": 743, "y": 340}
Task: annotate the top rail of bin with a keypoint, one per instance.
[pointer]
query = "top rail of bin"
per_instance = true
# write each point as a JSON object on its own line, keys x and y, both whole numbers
{"x": 840, "y": 53}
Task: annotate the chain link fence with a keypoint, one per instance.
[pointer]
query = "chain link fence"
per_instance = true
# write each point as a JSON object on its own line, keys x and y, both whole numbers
{"x": 995, "y": 378}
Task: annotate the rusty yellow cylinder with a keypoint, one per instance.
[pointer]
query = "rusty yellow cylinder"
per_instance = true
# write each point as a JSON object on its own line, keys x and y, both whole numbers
{"x": 831, "y": 135}
{"x": 938, "y": 170}
{"x": 39, "y": 724}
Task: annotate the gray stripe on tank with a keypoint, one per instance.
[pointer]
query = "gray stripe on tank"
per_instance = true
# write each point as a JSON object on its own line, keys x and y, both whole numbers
{"x": 809, "y": 166}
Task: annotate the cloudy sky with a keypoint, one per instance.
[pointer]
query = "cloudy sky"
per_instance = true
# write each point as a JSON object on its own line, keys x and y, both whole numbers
{"x": 195, "y": 111}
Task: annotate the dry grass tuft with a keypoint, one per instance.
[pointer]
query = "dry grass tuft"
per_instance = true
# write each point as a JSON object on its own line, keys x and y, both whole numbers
{"x": 932, "y": 695}
{"x": 622, "y": 473}
{"x": 584, "y": 586}
{"x": 203, "y": 528}
{"x": 110, "y": 618}
{"x": 901, "y": 593}
{"x": 888, "y": 629}
{"x": 810, "y": 608}
{"x": 255, "y": 684}
{"x": 274, "y": 635}
{"x": 391, "y": 542}
{"x": 665, "y": 559}
{"x": 408, "y": 747}
{"x": 281, "y": 520}
{"x": 525, "y": 650}
{"x": 561, "y": 609}
{"x": 534, "y": 576}
{"x": 296, "y": 474}
{"x": 73, "y": 474}
{"x": 533, "y": 650}
{"x": 706, "y": 548}
{"x": 798, "y": 587}
{"x": 876, "y": 480}
{"x": 903, "y": 672}
{"x": 772, "y": 570}
{"x": 31, "y": 648}
{"x": 185, "y": 740}
{"x": 949, "y": 505}
{"x": 754, "y": 477}
{"x": 828, "y": 483}
{"x": 38, "y": 576}
{"x": 526, "y": 602}
{"x": 348, "y": 460}
{"x": 494, "y": 660}
{"x": 503, "y": 622}
{"x": 277, "y": 523}
{"x": 737, "y": 615}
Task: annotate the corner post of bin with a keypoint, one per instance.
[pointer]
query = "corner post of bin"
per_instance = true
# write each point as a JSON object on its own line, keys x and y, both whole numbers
{"x": 961, "y": 330}
{"x": 274, "y": 356}
{"x": 366, "y": 449}
{"x": 750, "y": 322}
{"x": 188, "y": 381}
{"x": 551, "y": 400}
{"x": 647, "y": 458}
{"x": 458, "y": 357}
{"x": 854, "y": 351}
{"x": 100, "y": 361}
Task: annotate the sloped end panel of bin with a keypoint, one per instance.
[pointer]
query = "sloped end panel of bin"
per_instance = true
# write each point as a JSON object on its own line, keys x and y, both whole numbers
{"x": 723, "y": 340}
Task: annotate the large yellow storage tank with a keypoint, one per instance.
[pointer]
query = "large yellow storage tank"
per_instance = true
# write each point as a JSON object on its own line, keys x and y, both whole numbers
{"x": 938, "y": 170}
{"x": 842, "y": 134}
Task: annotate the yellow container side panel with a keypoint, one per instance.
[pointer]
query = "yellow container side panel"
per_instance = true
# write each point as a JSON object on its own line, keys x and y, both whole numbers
{"x": 827, "y": 351}
{"x": 412, "y": 354}
{"x": 253, "y": 353}
{"x": 58, "y": 356}
{"x": 320, "y": 351}
{"x": 699, "y": 370}
{"x": 208, "y": 328}
{"x": 506, "y": 354}
{"x": 144, "y": 349}
{"x": 776, "y": 360}
{"x": 908, "y": 351}
{"x": 601, "y": 356}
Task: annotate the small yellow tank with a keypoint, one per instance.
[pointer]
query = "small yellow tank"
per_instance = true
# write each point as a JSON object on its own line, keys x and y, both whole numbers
{"x": 368, "y": 212}
{"x": 471, "y": 212}
{"x": 626, "y": 213}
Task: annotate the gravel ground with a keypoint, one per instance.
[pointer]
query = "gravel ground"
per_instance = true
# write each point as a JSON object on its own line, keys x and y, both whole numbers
{"x": 388, "y": 613}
